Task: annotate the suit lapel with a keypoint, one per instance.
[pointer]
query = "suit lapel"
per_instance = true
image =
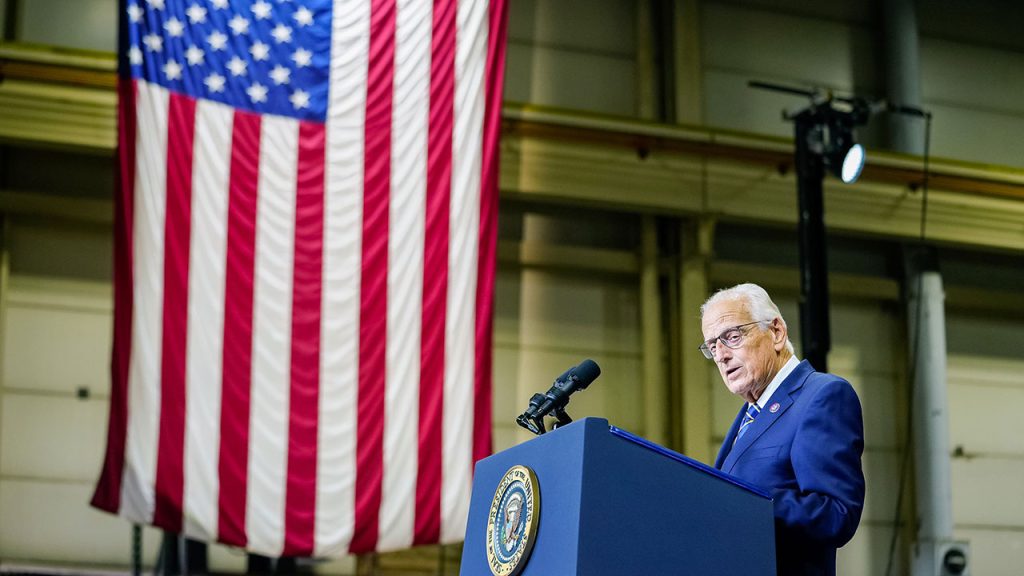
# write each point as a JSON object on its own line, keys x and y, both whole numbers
{"x": 783, "y": 396}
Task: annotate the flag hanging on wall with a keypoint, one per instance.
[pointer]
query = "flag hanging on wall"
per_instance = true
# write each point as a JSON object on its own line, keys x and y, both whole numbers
{"x": 304, "y": 269}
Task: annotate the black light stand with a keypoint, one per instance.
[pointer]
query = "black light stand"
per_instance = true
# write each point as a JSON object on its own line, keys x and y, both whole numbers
{"x": 824, "y": 133}
{"x": 815, "y": 330}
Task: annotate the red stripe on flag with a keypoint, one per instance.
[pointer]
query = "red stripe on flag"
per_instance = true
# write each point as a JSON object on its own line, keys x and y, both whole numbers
{"x": 238, "y": 309}
{"x": 300, "y": 503}
{"x": 427, "y": 526}
{"x": 486, "y": 257}
{"x": 373, "y": 284}
{"x": 170, "y": 474}
{"x": 108, "y": 490}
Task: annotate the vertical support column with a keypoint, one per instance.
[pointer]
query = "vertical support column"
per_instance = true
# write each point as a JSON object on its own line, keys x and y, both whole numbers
{"x": 815, "y": 331}
{"x": 697, "y": 243}
{"x": 655, "y": 385}
{"x": 902, "y": 64}
{"x": 646, "y": 75}
{"x": 686, "y": 78}
{"x": 136, "y": 550}
{"x": 9, "y": 16}
{"x": 927, "y": 330}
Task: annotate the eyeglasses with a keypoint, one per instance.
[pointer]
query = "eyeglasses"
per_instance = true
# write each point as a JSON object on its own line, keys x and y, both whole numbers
{"x": 732, "y": 338}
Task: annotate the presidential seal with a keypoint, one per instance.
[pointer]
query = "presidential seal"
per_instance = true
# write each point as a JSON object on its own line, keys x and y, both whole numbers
{"x": 512, "y": 521}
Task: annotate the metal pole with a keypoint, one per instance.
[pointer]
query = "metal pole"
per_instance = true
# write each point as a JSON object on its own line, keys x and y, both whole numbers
{"x": 934, "y": 491}
{"x": 136, "y": 550}
{"x": 902, "y": 66}
{"x": 814, "y": 320}
{"x": 650, "y": 324}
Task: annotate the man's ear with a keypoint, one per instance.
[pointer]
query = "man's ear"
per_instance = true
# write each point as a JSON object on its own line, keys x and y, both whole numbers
{"x": 779, "y": 334}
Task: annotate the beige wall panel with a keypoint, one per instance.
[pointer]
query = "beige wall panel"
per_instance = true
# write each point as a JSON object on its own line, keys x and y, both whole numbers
{"x": 986, "y": 419}
{"x": 546, "y": 322}
{"x": 877, "y": 400}
{"x": 88, "y": 24}
{"x": 790, "y": 46}
{"x": 881, "y": 472}
{"x": 575, "y": 312}
{"x": 575, "y": 54}
{"x": 585, "y": 25}
{"x": 548, "y": 76}
{"x": 865, "y": 338}
{"x": 743, "y": 43}
{"x": 994, "y": 552}
{"x": 987, "y": 492}
{"x": 35, "y": 337}
{"x": 52, "y": 437}
{"x": 616, "y": 396}
{"x": 225, "y": 559}
{"x": 868, "y": 552}
{"x": 986, "y": 391}
{"x": 952, "y": 73}
{"x": 53, "y": 522}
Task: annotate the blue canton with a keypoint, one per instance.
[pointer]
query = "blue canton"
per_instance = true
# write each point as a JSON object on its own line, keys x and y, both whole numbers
{"x": 267, "y": 56}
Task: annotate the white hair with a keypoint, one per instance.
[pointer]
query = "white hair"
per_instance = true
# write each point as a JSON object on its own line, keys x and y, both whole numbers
{"x": 756, "y": 300}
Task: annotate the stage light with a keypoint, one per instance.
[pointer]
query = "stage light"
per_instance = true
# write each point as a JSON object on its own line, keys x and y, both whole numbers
{"x": 842, "y": 155}
{"x": 853, "y": 163}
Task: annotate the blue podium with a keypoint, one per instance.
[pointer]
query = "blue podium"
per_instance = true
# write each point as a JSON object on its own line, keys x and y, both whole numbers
{"x": 611, "y": 503}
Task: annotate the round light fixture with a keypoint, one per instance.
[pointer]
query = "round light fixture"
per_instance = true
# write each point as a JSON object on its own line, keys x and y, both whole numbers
{"x": 853, "y": 163}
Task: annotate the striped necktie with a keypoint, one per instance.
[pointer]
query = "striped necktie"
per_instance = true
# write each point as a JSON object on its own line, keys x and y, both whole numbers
{"x": 748, "y": 419}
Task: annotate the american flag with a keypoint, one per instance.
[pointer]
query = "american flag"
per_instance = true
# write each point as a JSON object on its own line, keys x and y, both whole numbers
{"x": 304, "y": 269}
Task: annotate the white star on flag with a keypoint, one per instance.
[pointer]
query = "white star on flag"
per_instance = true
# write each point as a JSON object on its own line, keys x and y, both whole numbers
{"x": 135, "y": 55}
{"x": 259, "y": 51}
{"x": 280, "y": 75}
{"x": 303, "y": 16}
{"x": 257, "y": 92}
{"x": 156, "y": 4}
{"x": 217, "y": 40}
{"x": 174, "y": 27}
{"x": 214, "y": 82}
{"x": 261, "y": 10}
{"x": 196, "y": 14}
{"x": 281, "y": 33}
{"x": 172, "y": 70}
{"x": 219, "y": 4}
{"x": 299, "y": 99}
{"x": 195, "y": 55}
{"x": 302, "y": 57}
{"x": 239, "y": 25}
{"x": 237, "y": 66}
{"x": 153, "y": 42}
{"x": 135, "y": 12}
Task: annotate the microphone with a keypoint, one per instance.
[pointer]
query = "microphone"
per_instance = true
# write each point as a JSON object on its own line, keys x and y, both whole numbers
{"x": 557, "y": 397}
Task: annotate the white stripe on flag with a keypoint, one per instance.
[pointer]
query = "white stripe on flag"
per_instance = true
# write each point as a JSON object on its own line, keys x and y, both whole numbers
{"x": 460, "y": 328}
{"x": 137, "y": 498}
{"x": 271, "y": 331}
{"x": 405, "y": 272}
{"x": 205, "y": 339}
{"x": 343, "y": 217}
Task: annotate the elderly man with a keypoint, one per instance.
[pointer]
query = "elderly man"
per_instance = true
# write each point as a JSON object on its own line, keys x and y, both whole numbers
{"x": 800, "y": 434}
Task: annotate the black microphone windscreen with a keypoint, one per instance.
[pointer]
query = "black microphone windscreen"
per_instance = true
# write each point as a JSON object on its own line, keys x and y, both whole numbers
{"x": 586, "y": 372}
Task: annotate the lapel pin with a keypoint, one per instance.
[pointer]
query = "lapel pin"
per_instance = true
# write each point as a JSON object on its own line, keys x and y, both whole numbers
{"x": 774, "y": 408}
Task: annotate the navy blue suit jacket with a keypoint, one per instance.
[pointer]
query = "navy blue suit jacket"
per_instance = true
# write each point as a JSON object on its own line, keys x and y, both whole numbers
{"x": 805, "y": 448}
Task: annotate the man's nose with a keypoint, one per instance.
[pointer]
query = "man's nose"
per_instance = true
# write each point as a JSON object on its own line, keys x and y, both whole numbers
{"x": 721, "y": 353}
